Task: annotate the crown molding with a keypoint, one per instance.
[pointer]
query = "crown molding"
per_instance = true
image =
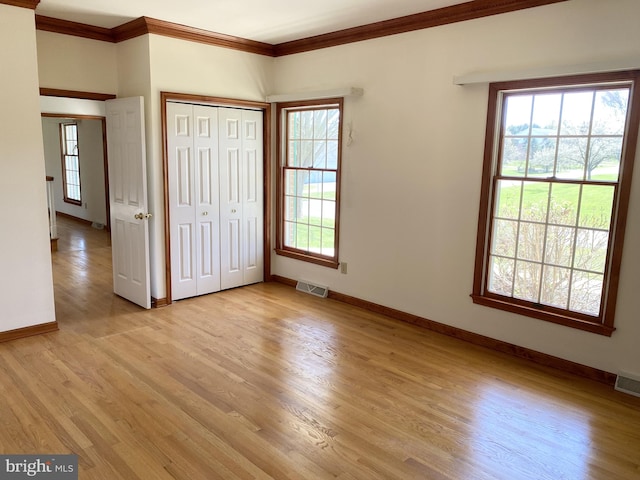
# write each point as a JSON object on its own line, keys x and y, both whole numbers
{"x": 66, "y": 27}
{"x": 31, "y": 4}
{"x": 146, "y": 25}
{"x": 419, "y": 21}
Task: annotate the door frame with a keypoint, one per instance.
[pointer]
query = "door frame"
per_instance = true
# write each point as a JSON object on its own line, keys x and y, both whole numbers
{"x": 266, "y": 156}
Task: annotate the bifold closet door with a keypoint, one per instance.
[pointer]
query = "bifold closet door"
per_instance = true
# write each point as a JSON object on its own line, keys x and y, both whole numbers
{"x": 192, "y": 144}
{"x": 241, "y": 197}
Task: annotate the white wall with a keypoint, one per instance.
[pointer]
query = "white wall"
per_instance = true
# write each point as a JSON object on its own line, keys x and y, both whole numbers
{"x": 26, "y": 285}
{"x": 91, "y": 148}
{"x": 411, "y": 178}
{"x": 72, "y": 63}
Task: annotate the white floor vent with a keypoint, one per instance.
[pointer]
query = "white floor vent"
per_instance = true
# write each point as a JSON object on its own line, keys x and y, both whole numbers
{"x": 317, "y": 290}
{"x": 628, "y": 384}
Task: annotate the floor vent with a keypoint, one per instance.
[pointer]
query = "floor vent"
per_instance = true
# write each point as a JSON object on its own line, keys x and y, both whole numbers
{"x": 317, "y": 290}
{"x": 628, "y": 384}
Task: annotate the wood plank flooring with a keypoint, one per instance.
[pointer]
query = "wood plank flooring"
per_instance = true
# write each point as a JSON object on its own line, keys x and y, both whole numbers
{"x": 264, "y": 382}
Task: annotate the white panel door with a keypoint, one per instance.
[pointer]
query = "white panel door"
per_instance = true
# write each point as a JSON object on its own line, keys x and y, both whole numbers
{"x": 241, "y": 197}
{"x": 207, "y": 198}
{"x": 231, "y": 171}
{"x": 252, "y": 197}
{"x": 192, "y": 144}
{"x": 128, "y": 199}
{"x": 182, "y": 237}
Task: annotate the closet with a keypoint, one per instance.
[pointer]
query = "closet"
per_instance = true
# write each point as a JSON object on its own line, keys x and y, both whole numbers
{"x": 215, "y": 198}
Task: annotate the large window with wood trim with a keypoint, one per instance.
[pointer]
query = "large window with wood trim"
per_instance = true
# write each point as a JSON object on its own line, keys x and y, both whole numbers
{"x": 308, "y": 181}
{"x": 558, "y": 163}
{"x": 70, "y": 163}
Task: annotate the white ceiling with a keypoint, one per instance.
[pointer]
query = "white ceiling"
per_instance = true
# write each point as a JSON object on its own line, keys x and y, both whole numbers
{"x": 270, "y": 21}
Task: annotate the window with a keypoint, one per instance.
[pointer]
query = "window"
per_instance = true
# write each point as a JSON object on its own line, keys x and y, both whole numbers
{"x": 308, "y": 183}
{"x": 558, "y": 163}
{"x": 70, "y": 163}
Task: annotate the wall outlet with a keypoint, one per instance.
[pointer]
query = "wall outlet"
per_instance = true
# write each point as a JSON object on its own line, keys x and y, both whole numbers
{"x": 343, "y": 268}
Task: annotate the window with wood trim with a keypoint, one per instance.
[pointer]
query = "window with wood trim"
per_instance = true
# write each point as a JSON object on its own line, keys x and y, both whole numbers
{"x": 308, "y": 181}
{"x": 70, "y": 163}
{"x": 558, "y": 163}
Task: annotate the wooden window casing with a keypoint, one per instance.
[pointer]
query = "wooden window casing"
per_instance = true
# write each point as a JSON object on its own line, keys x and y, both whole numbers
{"x": 496, "y": 145}
{"x": 70, "y": 163}
{"x": 292, "y": 228}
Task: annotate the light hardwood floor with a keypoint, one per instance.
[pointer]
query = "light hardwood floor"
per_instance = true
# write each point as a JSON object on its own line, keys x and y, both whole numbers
{"x": 266, "y": 382}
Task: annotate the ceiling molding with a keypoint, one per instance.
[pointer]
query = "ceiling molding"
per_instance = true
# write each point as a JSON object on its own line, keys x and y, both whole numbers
{"x": 65, "y": 27}
{"x": 432, "y": 18}
{"x": 55, "y": 92}
{"x": 146, "y": 25}
{"x": 31, "y": 4}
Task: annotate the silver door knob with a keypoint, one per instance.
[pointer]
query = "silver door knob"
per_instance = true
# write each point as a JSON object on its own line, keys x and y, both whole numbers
{"x": 233, "y": 210}
{"x": 205, "y": 213}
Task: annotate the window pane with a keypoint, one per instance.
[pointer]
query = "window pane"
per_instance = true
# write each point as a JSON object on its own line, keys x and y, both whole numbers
{"x": 328, "y": 214}
{"x": 333, "y": 123}
{"x": 315, "y": 212}
{"x": 586, "y": 292}
{"x": 508, "y": 199}
{"x": 306, "y": 153}
{"x": 604, "y": 159}
{"x": 302, "y": 236}
{"x": 535, "y": 198}
{"x": 514, "y": 156}
{"x": 320, "y": 124}
{"x": 518, "y": 114}
{"x": 546, "y": 113}
{"x": 315, "y": 239}
{"x": 306, "y": 125}
{"x": 294, "y": 125}
{"x": 610, "y": 112}
{"x": 576, "y": 113}
{"x": 328, "y": 239}
{"x": 501, "y": 276}
{"x": 527, "y": 281}
{"x": 563, "y": 209}
{"x": 531, "y": 241}
{"x": 591, "y": 250}
{"x": 555, "y": 287}
{"x": 542, "y": 155}
{"x": 572, "y": 153}
{"x": 319, "y": 154}
{"x": 559, "y": 245}
{"x": 332, "y": 154}
{"x": 596, "y": 206}
{"x": 329, "y": 185}
{"x": 505, "y": 233}
{"x": 293, "y": 154}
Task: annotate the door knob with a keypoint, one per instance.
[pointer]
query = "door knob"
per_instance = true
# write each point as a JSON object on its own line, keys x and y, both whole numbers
{"x": 142, "y": 216}
{"x": 205, "y": 213}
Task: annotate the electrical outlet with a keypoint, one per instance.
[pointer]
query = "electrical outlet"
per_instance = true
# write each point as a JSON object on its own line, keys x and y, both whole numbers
{"x": 343, "y": 268}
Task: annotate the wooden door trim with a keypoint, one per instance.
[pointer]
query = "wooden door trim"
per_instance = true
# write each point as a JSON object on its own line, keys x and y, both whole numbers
{"x": 266, "y": 175}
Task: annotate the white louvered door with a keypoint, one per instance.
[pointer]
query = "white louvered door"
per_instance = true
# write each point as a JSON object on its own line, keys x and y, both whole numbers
{"x": 215, "y": 198}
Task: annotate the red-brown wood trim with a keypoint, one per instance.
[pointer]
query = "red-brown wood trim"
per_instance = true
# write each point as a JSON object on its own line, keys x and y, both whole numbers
{"x": 31, "y": 4}
{"x": 159, "y": 302}
{"x": 49, "y": 178}
{"x": 74, "y": 218}
{"x": 433, "y": 18}
{"x": 55, "y": 92}
{"x": 134, "y": 28}
{"x": 474, "y": 338}
{"x": 28, "y": 331}
{"x": 66, "y": 27}
{"x": 217, "y": 101}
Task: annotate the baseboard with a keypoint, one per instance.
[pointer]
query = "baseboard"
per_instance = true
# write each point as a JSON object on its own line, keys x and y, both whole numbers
{"x": 477, "y": 339}
{"x": 28, "y": 331}
{"x": 159, "y": 302}
{"x": 76, "y": 219}
{"x": 54, "y": 244}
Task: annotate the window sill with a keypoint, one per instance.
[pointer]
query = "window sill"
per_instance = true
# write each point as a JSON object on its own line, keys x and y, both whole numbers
{"x": 305, "y": 257}
{"x": 541, "y": 314}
